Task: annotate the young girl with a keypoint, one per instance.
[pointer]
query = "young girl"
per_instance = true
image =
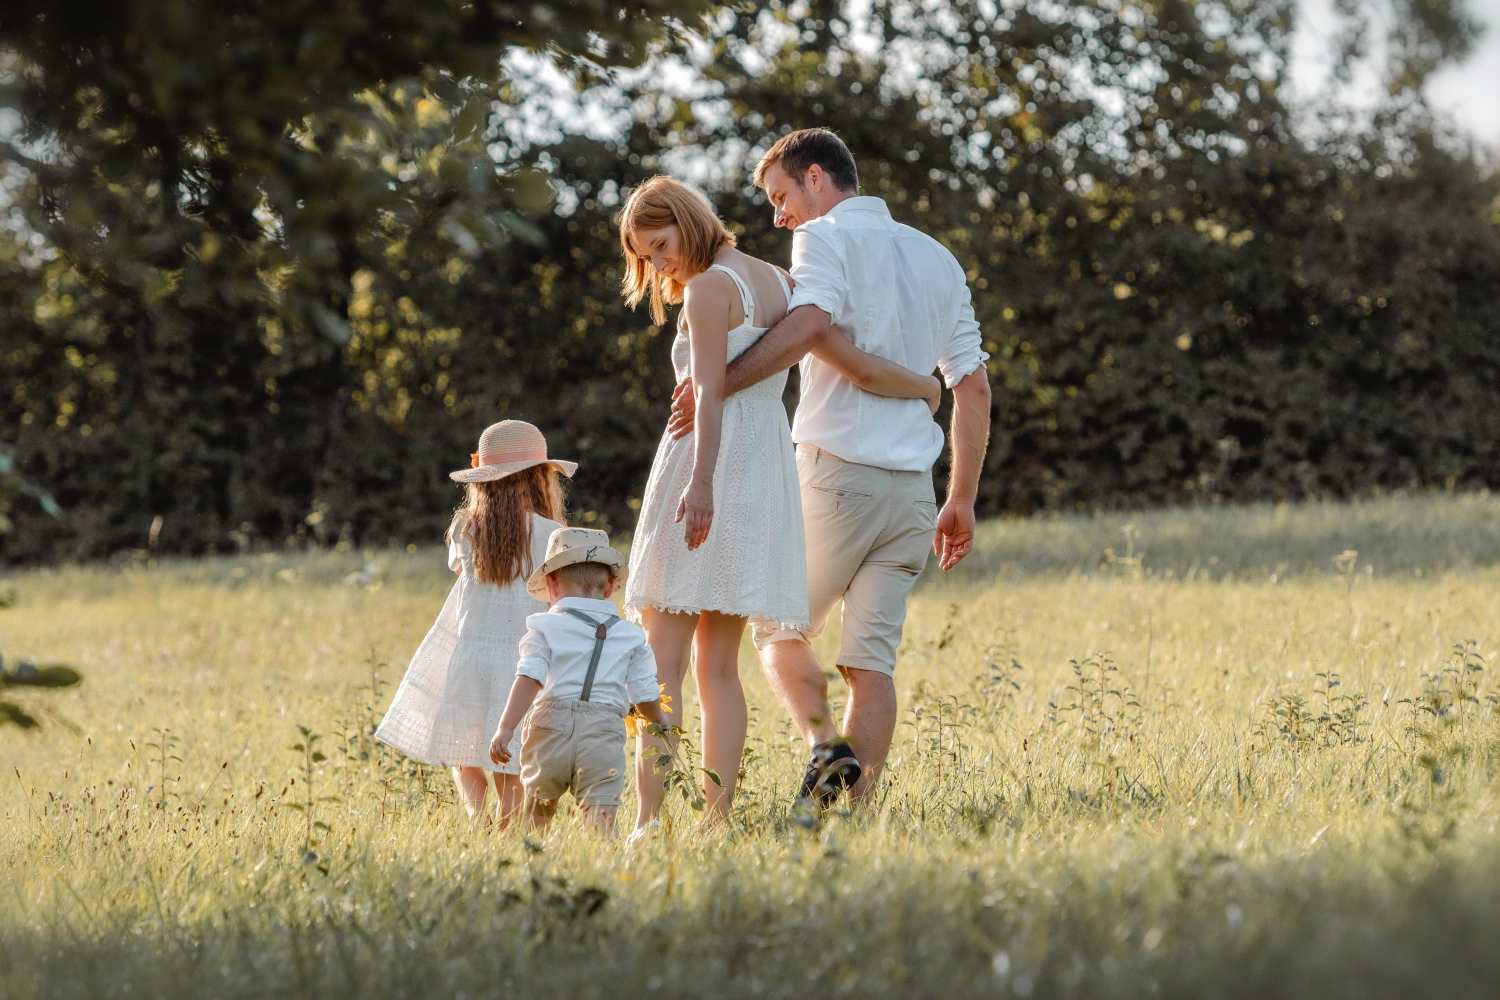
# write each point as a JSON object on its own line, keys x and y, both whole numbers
{"x": 719, "y": 540}
{"x": 454, "y": 691}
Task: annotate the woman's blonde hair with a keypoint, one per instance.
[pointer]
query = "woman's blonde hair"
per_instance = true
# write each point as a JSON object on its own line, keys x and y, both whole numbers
{"x": 657, "y": 203}
{"x": 495, "y": 518}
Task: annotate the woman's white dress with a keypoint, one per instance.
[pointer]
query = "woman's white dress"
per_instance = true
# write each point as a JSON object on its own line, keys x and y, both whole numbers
{"x": 451, "y": 699}
{"x": 753, "y": 562}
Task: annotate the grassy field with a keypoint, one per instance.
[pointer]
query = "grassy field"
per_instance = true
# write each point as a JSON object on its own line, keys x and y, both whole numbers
{"x": 1220, "y": 752}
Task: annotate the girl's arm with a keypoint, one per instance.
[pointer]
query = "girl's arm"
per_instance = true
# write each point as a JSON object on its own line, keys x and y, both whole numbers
{"x": 875, "y": 374}
{"x": 707, "y": 305}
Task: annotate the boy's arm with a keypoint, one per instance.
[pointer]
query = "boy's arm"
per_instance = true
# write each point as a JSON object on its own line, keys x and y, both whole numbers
{"x": 531, "y": 674}
{"x": 651, "y": 712}
{"x": 641, "y": 686}
{"x": 522, "y": 693}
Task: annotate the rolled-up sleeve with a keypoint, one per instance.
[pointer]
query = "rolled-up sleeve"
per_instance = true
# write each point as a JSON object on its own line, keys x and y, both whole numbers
{"x": 818, "y": 271}
{"x": 536, "y": 656}
{"x": 640, "y": 676}
{"x": 965, "y": 352}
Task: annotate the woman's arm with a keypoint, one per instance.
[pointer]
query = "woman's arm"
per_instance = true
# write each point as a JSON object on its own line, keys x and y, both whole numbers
{"x": 875, "y": 374}
{"x": 707, "y": 305}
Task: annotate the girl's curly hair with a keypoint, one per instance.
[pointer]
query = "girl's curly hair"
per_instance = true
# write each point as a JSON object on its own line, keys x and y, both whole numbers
{"x": 495, "y": 518}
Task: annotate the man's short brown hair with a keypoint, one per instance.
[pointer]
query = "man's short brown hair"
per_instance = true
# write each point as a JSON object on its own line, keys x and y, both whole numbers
{"x": 796, "y": 151}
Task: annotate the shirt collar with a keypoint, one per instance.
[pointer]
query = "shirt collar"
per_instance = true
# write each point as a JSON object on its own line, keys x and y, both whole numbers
{"x": 861, "y": 203}
{"x": 588, "y": 605}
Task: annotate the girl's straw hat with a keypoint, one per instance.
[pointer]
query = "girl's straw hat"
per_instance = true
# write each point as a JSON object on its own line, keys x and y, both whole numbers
{"x": 506, "y": 448}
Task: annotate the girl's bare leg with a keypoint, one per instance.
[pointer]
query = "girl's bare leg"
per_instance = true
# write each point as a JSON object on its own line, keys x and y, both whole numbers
{"x": 511, "y": 794}
{"x": 473, "y": 783}
{"x": 671, "y": 639}
{"x": 716, "y": 667}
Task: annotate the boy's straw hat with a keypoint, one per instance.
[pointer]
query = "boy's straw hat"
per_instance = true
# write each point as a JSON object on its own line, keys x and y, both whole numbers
{"x": 570, "y": 546}
{"x": 506, "y": 448}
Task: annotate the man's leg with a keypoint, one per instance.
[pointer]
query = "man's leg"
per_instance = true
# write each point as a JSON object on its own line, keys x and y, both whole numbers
{"x": 874, "y": 615}
{"x": 869, "y": 723}
{"x": 797, "y": 679}
{"x": 837, "y": 534}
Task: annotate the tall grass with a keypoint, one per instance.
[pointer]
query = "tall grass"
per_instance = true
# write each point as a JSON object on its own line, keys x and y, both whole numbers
{"x": 1229, "y": 752}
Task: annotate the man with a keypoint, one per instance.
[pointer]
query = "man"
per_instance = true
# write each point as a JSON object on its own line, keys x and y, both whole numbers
{"x": 864, "y": 461}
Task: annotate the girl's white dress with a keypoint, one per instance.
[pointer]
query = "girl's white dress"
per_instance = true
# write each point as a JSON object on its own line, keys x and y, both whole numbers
{"x": 451, "y": 699}
{"x": 753, "y": 562}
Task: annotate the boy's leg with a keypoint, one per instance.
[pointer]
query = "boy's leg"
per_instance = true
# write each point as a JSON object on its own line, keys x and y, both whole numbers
{"x": 511, "y": 794}
{"x": 601, "y": 818}
{"x": 539, "y": 812}
{"x": 598, "y": 762}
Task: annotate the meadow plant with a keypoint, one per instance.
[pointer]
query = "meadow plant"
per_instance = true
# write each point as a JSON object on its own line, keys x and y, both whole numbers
{"x": 1302, "y": 800}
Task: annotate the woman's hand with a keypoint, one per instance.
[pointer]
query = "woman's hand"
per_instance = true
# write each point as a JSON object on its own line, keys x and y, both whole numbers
{"x": 935, "y": 398}
{"x": 696, "y": 508}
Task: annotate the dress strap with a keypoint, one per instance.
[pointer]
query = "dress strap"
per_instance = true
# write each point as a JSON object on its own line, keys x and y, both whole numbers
{"x": 746, "y": 301}
{"x": 786, "y": 290}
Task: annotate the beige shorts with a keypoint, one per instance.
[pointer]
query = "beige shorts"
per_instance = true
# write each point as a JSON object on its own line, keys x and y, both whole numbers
{"x": 573, "y": 745}
{"x": 869, "y": 531}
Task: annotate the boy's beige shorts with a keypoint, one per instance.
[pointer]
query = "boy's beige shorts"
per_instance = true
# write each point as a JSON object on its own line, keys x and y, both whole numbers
{"x": 577, "y": 746}
{"x": 868, "y": 531}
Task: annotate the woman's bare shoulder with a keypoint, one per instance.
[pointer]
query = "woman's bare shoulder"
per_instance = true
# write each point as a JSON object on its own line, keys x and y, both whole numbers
{"x": 708, "y": 284}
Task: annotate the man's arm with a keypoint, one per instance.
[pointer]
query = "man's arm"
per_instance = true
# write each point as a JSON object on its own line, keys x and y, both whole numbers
{"x": 780, "y": 347}
{"x": 970, "y": 434}
{"x": 821, "y": 288}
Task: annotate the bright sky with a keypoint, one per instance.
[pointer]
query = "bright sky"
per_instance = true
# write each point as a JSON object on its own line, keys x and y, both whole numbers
{"x": 1469, "y": 91}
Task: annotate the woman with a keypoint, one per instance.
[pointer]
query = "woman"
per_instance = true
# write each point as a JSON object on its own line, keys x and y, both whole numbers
{"x": 719, "y": 540}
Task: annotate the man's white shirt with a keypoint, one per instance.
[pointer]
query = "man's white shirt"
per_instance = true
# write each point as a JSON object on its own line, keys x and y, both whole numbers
{"x": 556, "y": 649}
{"x": 893, "y": 291}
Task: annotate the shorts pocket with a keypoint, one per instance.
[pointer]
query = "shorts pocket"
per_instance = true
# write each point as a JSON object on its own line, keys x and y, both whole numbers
{"x": 838, "y": 494}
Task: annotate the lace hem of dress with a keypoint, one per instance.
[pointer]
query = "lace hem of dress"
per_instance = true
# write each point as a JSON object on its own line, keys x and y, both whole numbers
{"x": 633, "y": 611}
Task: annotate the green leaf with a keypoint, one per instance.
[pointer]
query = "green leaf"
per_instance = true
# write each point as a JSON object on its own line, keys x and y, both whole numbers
{"x": 318, "y": 757}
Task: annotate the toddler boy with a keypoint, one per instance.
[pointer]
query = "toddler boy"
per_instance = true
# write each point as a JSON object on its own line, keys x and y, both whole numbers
{"x": 581, "y": 669}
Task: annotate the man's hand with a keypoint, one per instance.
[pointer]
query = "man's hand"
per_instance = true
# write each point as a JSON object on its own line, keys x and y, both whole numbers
{"x": 954, "y": 537}
{"x": 500, "y": 746}
{"x": 684, "y": 410}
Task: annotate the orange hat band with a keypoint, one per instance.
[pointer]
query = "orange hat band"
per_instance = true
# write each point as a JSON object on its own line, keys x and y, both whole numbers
{"x": 505, "y": 457}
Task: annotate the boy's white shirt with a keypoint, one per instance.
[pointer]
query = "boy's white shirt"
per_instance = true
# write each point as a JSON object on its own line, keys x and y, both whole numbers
{"x": 556, "y": 649}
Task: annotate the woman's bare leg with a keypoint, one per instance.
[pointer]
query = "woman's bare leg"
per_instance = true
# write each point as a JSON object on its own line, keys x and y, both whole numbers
{"x": 473, "y": 783}
{"x": 511, "y": 794}
{"x": 671, "y": 639}
{"x": 716, "y": 667}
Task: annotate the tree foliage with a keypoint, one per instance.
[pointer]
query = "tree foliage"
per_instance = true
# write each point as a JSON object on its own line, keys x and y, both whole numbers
{"x": 1184, "y": 297}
